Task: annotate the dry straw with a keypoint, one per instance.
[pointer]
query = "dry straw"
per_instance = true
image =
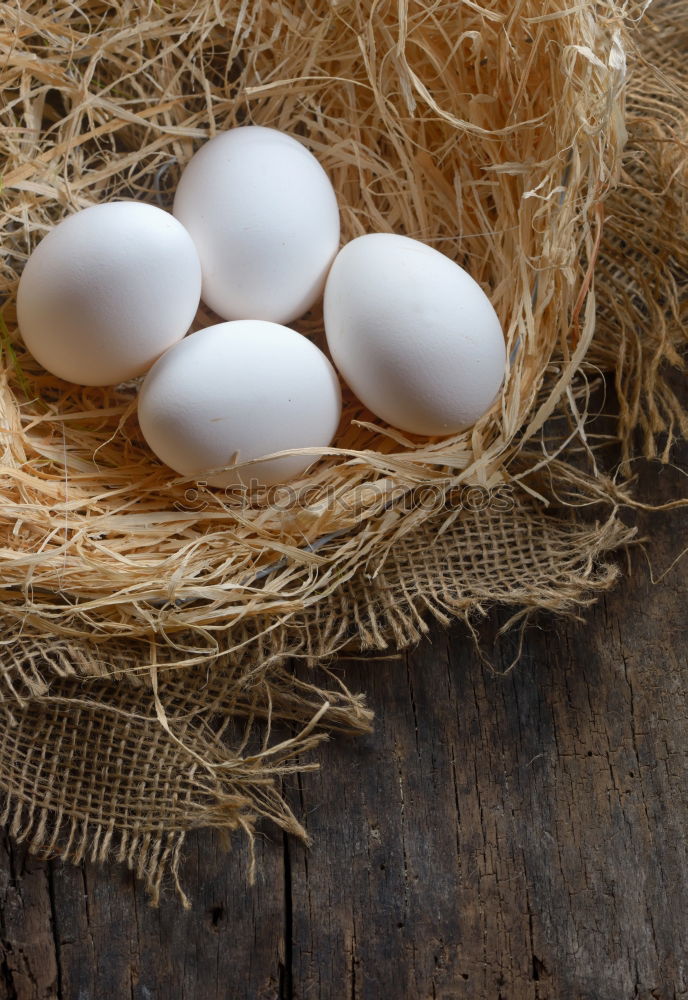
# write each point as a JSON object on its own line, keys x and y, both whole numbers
{"x": 493, "y": 132}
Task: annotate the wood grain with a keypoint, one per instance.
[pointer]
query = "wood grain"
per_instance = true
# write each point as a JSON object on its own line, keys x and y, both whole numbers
{"x": 503, "y": 834}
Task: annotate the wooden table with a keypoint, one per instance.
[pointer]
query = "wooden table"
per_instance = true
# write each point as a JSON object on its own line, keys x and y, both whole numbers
{"x": 500, "y": 835}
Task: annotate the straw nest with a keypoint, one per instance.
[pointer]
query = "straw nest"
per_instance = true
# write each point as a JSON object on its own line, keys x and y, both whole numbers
{"x": 490, "y": 131}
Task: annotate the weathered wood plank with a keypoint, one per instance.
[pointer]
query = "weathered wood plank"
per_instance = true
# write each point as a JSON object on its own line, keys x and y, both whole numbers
{"x": 28, "y": 951}
{"x": 516, "y": 834}
{"x": 84, "y": 933}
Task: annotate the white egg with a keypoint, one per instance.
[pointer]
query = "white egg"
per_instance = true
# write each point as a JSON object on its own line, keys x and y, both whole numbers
{"x": 413, "y": 335}
{"x": 235, "y": 392}
{"x": 107, "y": 291}
{"x": 264, "y": 217}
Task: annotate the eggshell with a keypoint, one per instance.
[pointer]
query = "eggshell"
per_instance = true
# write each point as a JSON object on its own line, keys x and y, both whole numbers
{"x": 235, "y": 392}
{"x": 264, "y": 217}
{"x": 107, "y": 291}
{"x": 413, "y": 335}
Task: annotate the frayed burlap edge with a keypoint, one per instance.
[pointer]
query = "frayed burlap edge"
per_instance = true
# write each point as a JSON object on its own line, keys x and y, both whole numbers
{"x": 87, "y": 767}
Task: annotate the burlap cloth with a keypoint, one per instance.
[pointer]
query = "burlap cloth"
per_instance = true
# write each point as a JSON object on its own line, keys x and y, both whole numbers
{"x": 103, "y": 760}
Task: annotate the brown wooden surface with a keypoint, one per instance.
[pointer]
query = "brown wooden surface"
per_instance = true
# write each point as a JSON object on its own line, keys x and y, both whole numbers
{"x": 518, "y": 835}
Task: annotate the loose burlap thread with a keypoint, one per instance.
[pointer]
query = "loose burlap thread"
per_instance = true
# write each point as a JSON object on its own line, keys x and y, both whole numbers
{"x": 126, "y": 724}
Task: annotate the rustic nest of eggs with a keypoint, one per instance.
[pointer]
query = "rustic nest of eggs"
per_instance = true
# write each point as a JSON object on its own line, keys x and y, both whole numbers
{"x": 490, "y": 133}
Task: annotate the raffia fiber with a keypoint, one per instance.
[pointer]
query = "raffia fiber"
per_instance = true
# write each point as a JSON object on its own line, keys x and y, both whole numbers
{"x": 459, "y": 126}
{"x": 148, "y": 637}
